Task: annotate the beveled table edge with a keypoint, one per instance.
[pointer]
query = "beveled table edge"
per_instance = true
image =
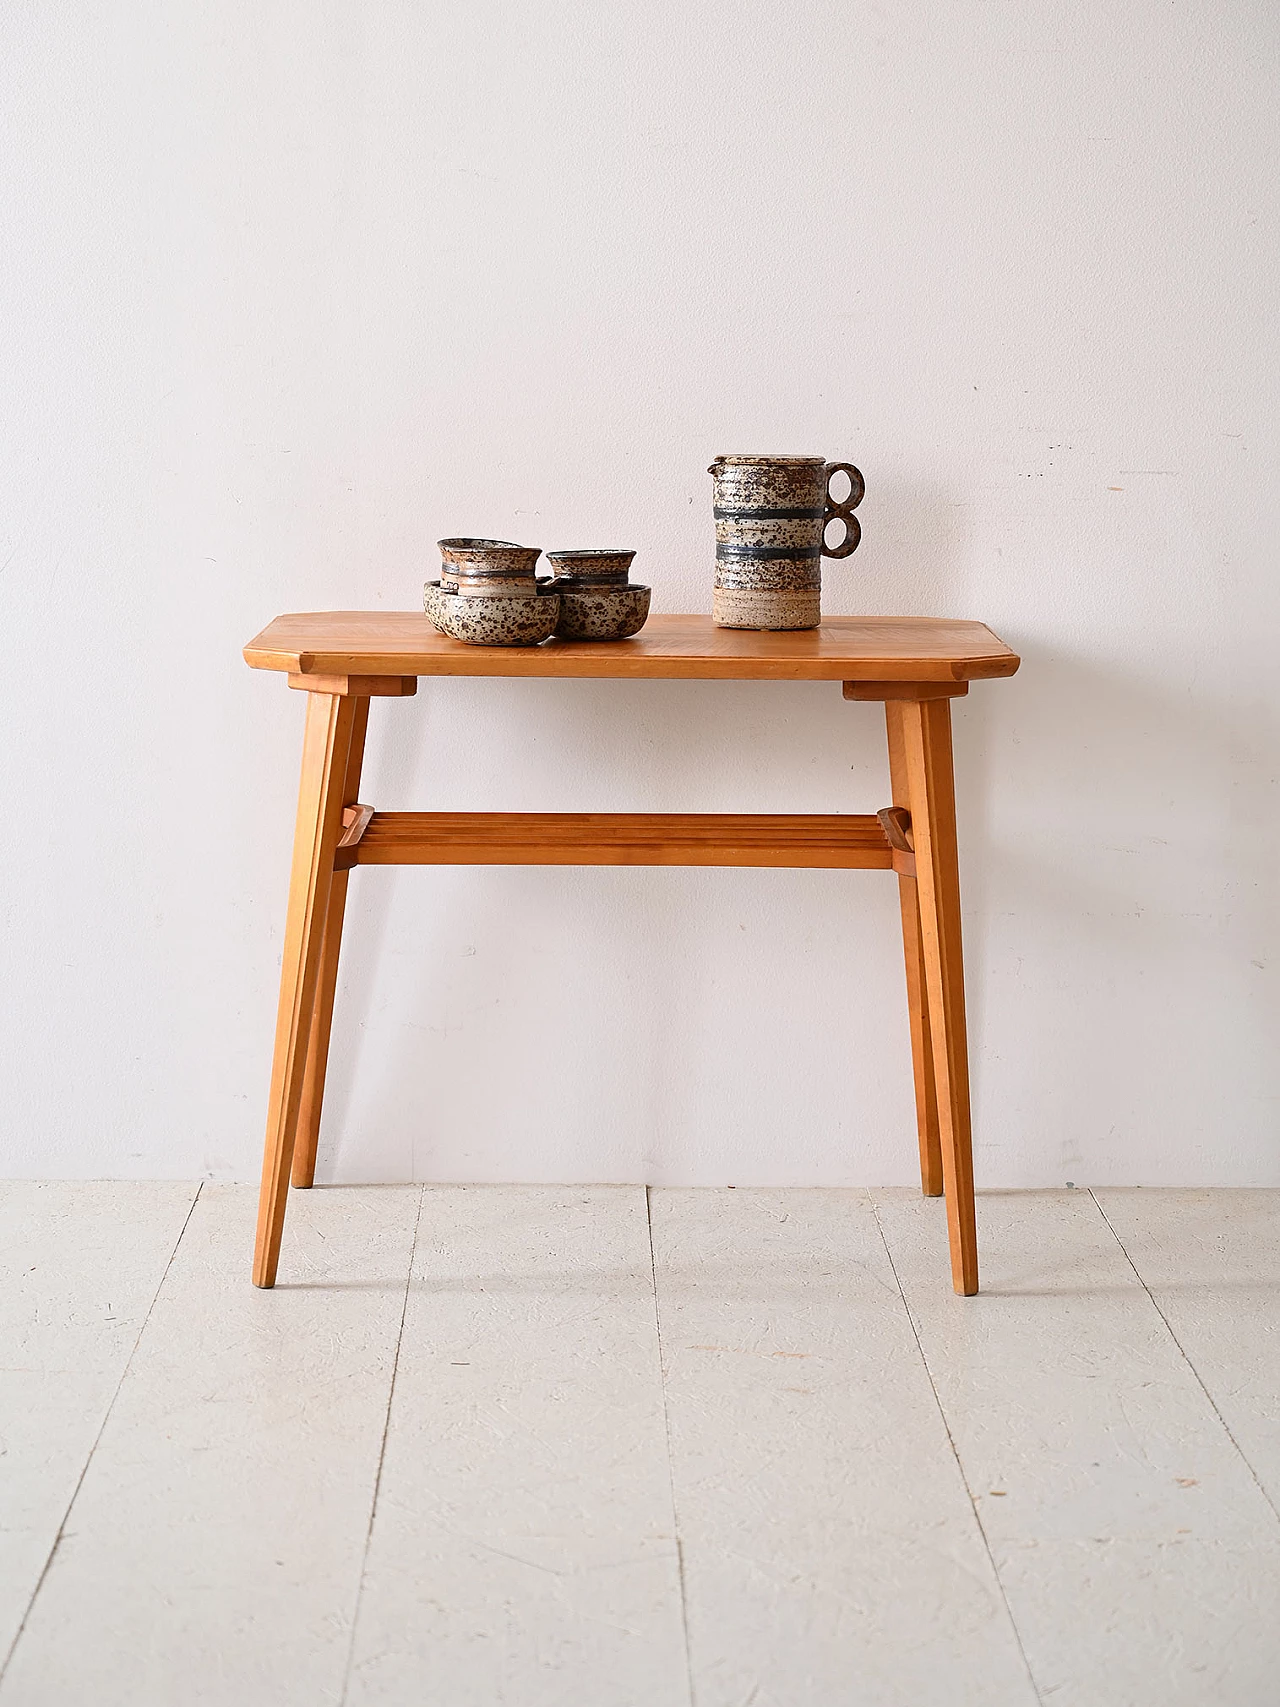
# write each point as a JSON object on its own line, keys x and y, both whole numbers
{"x": 623, "y": 660}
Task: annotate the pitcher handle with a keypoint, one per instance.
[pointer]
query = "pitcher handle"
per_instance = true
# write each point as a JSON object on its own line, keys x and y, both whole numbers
{"x": 844, "y": 511}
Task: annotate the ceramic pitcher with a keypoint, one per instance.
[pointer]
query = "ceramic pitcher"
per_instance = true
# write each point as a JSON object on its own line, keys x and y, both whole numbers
{"x": 771, "y": 515}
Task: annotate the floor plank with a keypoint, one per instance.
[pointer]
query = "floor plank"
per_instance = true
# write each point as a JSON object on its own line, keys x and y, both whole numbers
{"x": 830, "y": 1549}
{"x": 1211, "y": 1260}
{"x": 212, "y": 1553}
{"x": 1139, "y": 1557}
{"x": 523, "y": 1549}
{"x": 523, "y": 1546}
{"x": 80, "y": 1266}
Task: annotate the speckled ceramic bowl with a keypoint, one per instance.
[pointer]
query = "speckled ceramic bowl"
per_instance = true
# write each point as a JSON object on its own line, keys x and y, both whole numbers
{"x": 596, "y": 568}
{"x": 602, "y": 613}
{"x": 488, "y": 568}
{"x": 436, "y": 601}
{"x": 523, "y": 621}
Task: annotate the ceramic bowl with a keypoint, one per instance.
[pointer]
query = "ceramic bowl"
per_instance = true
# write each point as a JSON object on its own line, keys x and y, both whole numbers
{"x": 602, "y": 613}
{"x": 596, "y": 568}
{"x": 436, "y": 601}
{"x": 488, "y": 568}
{"x": 517, "y": 621}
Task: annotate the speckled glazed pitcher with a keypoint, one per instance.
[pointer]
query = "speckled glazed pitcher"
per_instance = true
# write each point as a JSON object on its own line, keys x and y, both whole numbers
{"x": 771, "y": 517}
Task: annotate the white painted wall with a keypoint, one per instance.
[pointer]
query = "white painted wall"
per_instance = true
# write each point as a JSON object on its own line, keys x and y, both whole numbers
{"x": 287, "y": 291}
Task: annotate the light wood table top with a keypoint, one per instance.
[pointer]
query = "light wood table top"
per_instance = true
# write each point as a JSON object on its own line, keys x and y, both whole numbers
{"x": 844, "y": 648}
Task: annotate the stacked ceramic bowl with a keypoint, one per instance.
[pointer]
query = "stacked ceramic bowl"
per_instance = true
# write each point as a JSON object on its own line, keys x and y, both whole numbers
{"x": 490, "y": 594}
{"x": 597, "y": 599}
{"x": 487, "y": 594}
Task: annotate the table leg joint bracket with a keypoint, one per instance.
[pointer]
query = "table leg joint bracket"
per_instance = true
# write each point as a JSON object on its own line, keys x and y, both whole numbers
{"x": 355, "y": 821}
{"x": 896, "y": 823}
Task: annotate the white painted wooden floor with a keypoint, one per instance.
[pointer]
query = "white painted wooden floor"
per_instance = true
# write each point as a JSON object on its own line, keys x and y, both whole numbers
{"x": 594, "y": 1447}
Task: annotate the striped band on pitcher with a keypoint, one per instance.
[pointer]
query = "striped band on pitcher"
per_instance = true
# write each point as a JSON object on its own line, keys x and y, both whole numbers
{"x": 723, "y": 515}
{"x": 765, "y": 553}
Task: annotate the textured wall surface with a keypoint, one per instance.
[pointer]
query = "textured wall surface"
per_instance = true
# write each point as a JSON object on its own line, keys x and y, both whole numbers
{"x": 288, "y": 291}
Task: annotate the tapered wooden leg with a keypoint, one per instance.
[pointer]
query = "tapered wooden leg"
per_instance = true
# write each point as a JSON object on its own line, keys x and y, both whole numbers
{"x": 308, "y": 1133}
{"x": 325, "y": 751}
{"x": 926, "y": 731}
{"x": 917, "y": 993}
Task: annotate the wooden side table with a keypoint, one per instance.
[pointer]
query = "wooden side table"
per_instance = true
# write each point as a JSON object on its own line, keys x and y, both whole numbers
{"x": 915, "y": 665}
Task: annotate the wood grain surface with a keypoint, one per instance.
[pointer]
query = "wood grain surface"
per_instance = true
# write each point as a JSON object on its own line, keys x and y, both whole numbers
{"x": 844, "y": 648}
{"x": 821, "y": 841}
{"x": 326, "y": 750}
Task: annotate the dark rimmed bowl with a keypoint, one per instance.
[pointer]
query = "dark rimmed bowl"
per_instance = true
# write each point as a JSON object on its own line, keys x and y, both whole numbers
{"x": 487, "y": 568}
{"x": 597, "y": 567}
